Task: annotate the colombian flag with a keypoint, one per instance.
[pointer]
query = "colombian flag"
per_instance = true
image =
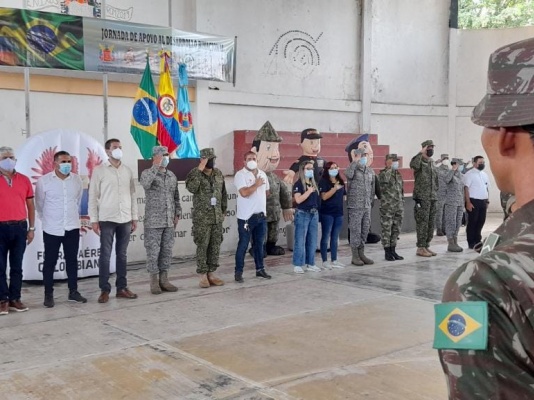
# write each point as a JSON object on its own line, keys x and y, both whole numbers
{"x": 145, "y": 115}
{"x": 168, "y": 129}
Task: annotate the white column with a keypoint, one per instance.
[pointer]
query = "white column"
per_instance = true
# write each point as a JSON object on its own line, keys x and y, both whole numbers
{"x": 452, "y": 108}
{"x": 366, "y": 66}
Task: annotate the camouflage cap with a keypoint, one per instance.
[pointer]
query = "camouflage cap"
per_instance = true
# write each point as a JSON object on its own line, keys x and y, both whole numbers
{"x": 310, "y": 133}
{"x": 509, "y": 99}
{"x": 457, "y": 161}
{"x": 208, "y": 153}
{"x": 160, "y": 150}
{"x": 444, "y": 156}
{"x": 427, "y": 143}
{"x": 267, "y": 134}
{"x": 392, "y": 157}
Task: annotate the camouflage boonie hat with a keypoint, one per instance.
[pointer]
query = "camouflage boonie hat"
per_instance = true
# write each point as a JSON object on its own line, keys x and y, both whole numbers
{"x": 267, "y": 134}
{"x": 427, "y": 143}
{"x": 510, "y": 90}
{"x": 160, "y": 150}
{"x": 208, "y": 153}
{"x": 392, "y": 157}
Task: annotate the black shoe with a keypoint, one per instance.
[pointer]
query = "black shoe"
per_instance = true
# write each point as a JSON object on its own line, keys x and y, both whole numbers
{"x": 49, "y": 301}
{"x": 389, "y": 256}
{"x": 239, "y": 278}
{"x": 394, "y": 254}
{"x": 262, "y": 274}
{"x": 76, "y": 297}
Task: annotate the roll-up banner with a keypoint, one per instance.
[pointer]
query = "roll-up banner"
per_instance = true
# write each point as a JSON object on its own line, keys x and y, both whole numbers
{"x": 49, "y": 40}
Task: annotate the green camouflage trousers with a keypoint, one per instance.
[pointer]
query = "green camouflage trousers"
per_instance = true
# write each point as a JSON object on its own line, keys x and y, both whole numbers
{"x": 208, "y": 239}
{"x": 440, "y": 215}
{"x": 391, "y": 222}
{"x": 272, "y": 232}
{"x": 425, "y": 215}
{"x": 158, "y": 245}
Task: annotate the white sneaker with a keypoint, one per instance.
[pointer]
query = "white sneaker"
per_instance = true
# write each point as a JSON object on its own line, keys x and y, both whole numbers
{"x": 327, "y": 265}
{"x": 298, "y": 270}
{"x": 313, "y": 268}
{"x": 337, "y": 264}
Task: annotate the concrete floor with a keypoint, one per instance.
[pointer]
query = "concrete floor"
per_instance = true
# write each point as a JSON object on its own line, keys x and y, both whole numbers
{"x": 356, "y": 333}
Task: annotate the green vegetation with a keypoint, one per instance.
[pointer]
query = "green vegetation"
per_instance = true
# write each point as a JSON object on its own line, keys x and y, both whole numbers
{"x": 477, "y": 14}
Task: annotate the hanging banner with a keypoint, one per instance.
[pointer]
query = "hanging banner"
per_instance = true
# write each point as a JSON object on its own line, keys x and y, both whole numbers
{"x": 50, "y": 40}
{"x": 35, "y": 158}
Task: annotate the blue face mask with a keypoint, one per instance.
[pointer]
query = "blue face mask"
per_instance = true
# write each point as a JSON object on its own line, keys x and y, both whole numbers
{"x": 395, "y": 165}
{"x": 333, "y": 172}
{"x": 308, "y": 173}
{"x": 363, "y": 161}
{"x": 461, "y": 168}
{"x": 165, "y": 161}
{"x": 65, "y": 168}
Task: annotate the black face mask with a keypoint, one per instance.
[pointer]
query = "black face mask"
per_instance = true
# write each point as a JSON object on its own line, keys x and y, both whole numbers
{"x": 480, "y": 167}
{"x": 211, "y": 163}
{"x": 430, "y": 152}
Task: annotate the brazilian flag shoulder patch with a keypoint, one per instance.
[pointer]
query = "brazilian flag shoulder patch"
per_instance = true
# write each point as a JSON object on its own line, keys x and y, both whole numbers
{"x": 461, "y": 325}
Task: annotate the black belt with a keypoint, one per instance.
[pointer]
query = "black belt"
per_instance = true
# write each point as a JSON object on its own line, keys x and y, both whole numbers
{"x": 258, "y": 215}
{"x": 13, "y": 222}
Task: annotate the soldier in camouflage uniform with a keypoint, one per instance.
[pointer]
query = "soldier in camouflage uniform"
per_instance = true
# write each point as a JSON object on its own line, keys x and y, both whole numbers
{"x": 360, "y": 194}
{"x": 210, "y": 201}
{"x": 162, "y": 212}
{"x": 454, "y": 205}
{"x": 425, "y": 195}
{"x": 442, "y": 170}
{"x": 279, "y": 201}
{"x": 391, "y": 206}
{"x": 503, "y": 275}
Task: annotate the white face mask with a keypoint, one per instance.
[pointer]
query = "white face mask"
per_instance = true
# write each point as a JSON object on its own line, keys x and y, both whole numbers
{"x": 116, "y": 154}
{"x": 252, "y": 165}
{"x": 7, "y": 164}
{"x": 447, "y": 163}
{"x": 395, "y": 165}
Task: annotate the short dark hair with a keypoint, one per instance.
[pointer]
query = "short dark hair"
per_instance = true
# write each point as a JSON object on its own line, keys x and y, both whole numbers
{"x": 475, "y": 160}
{"x": 248, "y": 153}
{"x": 326, "y": 175}
{"x": 107, "y": 146}
{"x": 60, "y": 153}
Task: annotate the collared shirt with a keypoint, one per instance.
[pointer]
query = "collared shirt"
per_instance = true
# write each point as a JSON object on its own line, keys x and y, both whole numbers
{"x": 478, "y": 184}
{"x": 257, "y": 201}
{"x": 57, "y": 202}
{"x": 112, "y": 194}
{"x": 13, "y": 195}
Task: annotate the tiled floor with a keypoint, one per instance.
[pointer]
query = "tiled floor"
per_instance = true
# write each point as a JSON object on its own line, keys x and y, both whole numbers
{"x": 356, "y": 333}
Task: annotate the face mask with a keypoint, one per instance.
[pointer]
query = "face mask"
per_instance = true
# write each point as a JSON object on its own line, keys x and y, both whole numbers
{"x": 363, "y": 161}
{"x": 447, "y": 163}
{"x": 430, "y": 152}
{"x": 252, "y": 165}
{"x": 333, "y": 172}
{"x": 7, "y": 164}
{"x": 116, "y": 154}
{"x": 165, "y": 161}
{"x": 395, "y": 165}
{"x": 481, "y": 167}
{"x": 211, "y": 163}
{"x": 65, "y": 168}
{"x": 308, "y": 173}
{"x": 461, "y": 168}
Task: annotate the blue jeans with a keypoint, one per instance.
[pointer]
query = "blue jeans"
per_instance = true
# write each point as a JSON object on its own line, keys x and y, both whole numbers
{"x": 122, "y": 238}
{"x": 257, "y": 227}
{"x": 305, "y": 241}
{"x": 12, "y": 242}
{"x": 330, "y": 227}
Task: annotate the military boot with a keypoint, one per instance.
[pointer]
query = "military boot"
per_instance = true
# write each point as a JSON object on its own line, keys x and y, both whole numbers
{"x": 456, "y": 241}
{"x": 453, "y": 246}
{"x": 440, "y": 232}
{"x": 365, "y": 259}
{"x": 154, "y": 284}
{"x": 395, "y": 255}
{"x": 204, "y": 282}
{"x": 389, "y": 256}
{"x": 421, "y": 252}
{"x": 213, "y": 280}
{"x": 164, "y": 283}
{"x": 273, "y": 250}
{"x": 356, "y": 258}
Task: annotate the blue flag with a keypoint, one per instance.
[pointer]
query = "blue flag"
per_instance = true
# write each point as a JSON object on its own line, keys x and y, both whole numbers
{"x": 189, "y": 146}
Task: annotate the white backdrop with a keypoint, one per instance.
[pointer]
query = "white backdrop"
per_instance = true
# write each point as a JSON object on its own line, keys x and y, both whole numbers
{"x": 35, "y": 158}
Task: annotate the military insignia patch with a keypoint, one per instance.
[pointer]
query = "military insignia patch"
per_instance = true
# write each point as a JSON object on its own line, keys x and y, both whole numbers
{"x": 461, "y": 325}
{"x": 489, "y": 244}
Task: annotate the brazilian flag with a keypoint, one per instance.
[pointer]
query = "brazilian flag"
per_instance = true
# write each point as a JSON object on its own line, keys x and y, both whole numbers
{"x": 461, "y": 325}
{"x": 44, "y": 40}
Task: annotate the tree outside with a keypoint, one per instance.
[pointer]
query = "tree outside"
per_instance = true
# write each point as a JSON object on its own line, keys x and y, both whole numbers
{"x": 479, "y": 14}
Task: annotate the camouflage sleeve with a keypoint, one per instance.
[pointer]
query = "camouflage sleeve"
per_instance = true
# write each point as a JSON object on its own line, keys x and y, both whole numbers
{"x": 286, "y": 201}
{"x": 416, "y": 162}
{"x": 177, "y": 205}
{"x": 224, "y": 199}
{"x": 351, "y": 170}
{"x": 376, "y": 190}
{"x": 506, "y": 369}
{"x": 448, "y": 176}
{"x": 148, "y": 176}
{"x": 192, "y": 182}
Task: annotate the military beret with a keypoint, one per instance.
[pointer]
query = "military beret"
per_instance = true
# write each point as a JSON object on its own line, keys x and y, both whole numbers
{"x": 160, "y": 150}
{"x": 267, "y": 134}
{"x": 310, "y": 133}
{"x": 427, "y": 143}
{"x": 354, "y": 143}
{"x": 208, "y": 153}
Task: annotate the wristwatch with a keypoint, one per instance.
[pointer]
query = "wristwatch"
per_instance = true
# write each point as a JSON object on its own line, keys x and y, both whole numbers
{"x": 31, "y": 228}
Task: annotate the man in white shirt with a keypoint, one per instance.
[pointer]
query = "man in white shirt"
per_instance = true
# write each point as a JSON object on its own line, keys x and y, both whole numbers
{"x": 252, "y": 186}
{"x": 113, "y": 213}
{"x": 476, "y": 184}
{"x": 57, "y": 198}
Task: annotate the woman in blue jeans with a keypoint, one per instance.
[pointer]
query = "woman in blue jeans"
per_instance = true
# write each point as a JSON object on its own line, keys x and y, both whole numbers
{"x": 306, "y": 195}
{"x": 332, "y": 190}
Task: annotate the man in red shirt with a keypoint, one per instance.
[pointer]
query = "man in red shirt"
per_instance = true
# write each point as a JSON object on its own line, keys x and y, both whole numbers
{"x": 17, "y": 210}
